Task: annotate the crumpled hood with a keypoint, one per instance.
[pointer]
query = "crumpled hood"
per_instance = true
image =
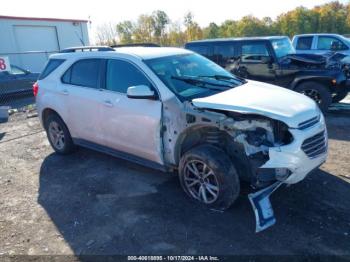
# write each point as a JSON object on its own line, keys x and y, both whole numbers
{"x": 309, "y": 58}
{"x": 263, "y": 99}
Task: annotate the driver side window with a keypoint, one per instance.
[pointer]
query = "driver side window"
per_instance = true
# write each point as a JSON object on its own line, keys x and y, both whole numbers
{"x": 254, "y": 52}
{"x": 120, "y": 75}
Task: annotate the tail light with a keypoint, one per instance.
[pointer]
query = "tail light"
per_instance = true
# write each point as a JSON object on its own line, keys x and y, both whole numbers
{"x": 35, "y": 88}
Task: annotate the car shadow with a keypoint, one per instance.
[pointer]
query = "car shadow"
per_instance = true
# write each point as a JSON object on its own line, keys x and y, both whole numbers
{"x": 105, "y": 206}
{"x": 2, "y": 135}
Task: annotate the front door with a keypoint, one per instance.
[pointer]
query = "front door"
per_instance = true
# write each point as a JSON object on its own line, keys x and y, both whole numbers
{"x": 130, "y": 125}
{"x": 256, "y": 62}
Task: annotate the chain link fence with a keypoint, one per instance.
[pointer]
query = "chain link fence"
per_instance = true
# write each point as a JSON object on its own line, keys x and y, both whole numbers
{"x": 18, "y": 73}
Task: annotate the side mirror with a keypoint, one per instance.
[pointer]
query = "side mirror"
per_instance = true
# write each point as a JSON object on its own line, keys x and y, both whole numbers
{"x": 266, "y": 59}
{"x": 140, "y": 92}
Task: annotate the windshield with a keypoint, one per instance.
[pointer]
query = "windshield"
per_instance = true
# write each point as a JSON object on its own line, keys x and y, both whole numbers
{"x": 282, "y": 47}
{"x": 191, "y": 75}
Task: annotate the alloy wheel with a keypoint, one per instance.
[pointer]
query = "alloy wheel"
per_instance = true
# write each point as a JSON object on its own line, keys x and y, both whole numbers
{"x": 201, "y": 182}
{"x": 56, "y": 135}
{"x": 313, "y": 94}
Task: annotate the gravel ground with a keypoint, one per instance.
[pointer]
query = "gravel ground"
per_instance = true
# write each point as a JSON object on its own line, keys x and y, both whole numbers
{"x": 91, "y": 203}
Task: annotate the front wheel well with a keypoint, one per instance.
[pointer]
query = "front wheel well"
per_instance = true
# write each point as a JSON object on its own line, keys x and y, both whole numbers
{"x": 195, "y": 136}
{"x": 325, "y": 82}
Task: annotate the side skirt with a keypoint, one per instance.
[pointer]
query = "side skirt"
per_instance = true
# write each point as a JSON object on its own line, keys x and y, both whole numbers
{"x": 119, "y": 154}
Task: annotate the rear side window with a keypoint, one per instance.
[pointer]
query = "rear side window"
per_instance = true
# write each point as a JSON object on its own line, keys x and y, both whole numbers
{"x": 121, "y": 75}
{"x": 223, "y": 52}
{"x": 50, "y": 67}
{"x": 304, "y": 43}
{"x": 84, "y": 73}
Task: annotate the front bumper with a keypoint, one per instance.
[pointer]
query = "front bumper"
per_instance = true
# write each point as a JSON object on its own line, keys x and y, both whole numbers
{"x": 292, "y": 156}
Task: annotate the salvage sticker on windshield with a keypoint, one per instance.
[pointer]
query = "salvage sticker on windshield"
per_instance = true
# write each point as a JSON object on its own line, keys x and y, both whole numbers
{"x": 4, "y": 64}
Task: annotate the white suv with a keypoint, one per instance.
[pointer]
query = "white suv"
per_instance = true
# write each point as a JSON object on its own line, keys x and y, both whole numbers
{"x": 172, "y": 109}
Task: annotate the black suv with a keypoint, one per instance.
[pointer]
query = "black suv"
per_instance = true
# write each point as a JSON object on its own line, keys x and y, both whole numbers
{"x": 273, "y": 60}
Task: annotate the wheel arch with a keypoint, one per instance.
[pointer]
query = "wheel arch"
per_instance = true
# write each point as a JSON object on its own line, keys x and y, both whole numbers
{"x": 47, "y": 112}
{"x": 191, "y": 137}
{"x": 324, "y": 80}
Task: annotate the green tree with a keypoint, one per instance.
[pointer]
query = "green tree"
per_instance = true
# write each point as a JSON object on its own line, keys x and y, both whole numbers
{"x": 212, "y": 31}
{"x": 228, "y": 28}
{"x": 125, "y": 32}
{"x": 176, "y": 36}
{"x": 251, "y": 26}
{"x": 144, "y": 30}
{"x": 161, "y": 20}
{"x": 193, "y": 30}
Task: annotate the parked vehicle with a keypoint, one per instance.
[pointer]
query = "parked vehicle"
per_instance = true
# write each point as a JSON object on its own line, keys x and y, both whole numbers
{"x": 16, "y": 82}
{"x": 321, "y": 44}
{"x": 273, "y": 60}
{"x": 172, "y": 109}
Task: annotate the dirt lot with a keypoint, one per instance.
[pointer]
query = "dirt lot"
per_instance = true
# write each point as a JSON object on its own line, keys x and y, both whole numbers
{"x": 91, "y": 203}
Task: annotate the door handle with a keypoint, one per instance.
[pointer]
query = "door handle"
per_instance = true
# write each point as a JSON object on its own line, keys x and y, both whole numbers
{"x": 108, "y": 103}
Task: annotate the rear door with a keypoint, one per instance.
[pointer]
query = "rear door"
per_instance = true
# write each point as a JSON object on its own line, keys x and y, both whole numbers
{"x": 130, "y": 125}
{"x": 81, "y": 90}
{"x": 253, "y": 64}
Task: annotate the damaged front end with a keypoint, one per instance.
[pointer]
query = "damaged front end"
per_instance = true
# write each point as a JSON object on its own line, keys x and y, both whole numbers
{"x": 255, "y": 135}
{"x": 267, "y": 150}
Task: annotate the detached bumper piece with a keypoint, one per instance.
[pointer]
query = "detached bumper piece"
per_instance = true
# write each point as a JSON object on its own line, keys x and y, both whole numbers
{"x": 262, "y": 207}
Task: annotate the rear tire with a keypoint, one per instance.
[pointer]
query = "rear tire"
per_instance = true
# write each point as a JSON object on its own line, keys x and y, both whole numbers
{"x": 208, "y": 176}
{"x": 58, "y": 135}
{"x": 318, "y": 92}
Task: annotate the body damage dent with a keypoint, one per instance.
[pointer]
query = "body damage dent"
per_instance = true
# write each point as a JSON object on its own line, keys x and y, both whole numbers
{"x": 177, "y": 126}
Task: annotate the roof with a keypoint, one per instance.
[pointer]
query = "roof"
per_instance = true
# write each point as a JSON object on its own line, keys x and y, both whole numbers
{"x": 139, "y": 52}
{"x": 238, "y": 39}
{"x": 319, "y": 34}
{"x": 43, "y": 19}
{"x": 152, "y": 52}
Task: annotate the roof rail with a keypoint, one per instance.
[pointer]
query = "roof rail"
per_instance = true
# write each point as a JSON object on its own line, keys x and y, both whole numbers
{"x": 86, "y": 48}
{"x": 137, "y": 44}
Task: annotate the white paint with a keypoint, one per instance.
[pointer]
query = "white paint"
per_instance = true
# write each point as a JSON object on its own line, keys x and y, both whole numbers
{"x": 260, "y": 98}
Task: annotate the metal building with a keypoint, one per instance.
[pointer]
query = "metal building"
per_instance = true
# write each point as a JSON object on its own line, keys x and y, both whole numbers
{"x": 29, "y": 41}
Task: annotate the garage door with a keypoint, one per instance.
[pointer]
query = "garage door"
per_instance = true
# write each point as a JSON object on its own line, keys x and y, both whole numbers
{"x": 35, "y": 38}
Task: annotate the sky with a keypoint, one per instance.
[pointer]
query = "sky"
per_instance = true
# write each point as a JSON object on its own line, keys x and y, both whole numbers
{"x": 105, "y": 11}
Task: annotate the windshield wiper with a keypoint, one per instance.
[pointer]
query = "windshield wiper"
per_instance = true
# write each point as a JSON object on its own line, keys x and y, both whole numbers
{"x": 219, "y": 77}
{"x": 225, "y": 78}
{"x": 196, "y": 81}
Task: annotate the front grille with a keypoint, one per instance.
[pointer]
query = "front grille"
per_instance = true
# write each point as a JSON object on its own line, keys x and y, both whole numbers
{"x": 309, "y": 123}
{"x": 315, "y": 145}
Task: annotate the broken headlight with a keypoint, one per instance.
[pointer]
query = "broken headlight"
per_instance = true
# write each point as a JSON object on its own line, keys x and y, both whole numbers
{"x": 281, "y": 133}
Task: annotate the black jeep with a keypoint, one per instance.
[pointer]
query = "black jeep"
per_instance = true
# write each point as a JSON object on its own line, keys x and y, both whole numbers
{"x": 325, "y": 79}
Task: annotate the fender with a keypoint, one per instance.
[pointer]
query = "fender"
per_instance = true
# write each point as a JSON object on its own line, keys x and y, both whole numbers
{"x": 325, "y": 79}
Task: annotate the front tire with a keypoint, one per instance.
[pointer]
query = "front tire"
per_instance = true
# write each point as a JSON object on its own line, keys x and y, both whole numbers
{"x": 318, "y": 92}
{"x": 58, "y": 135}
{"x": 340, "y": 96}
{"x": 208, "y": 176}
